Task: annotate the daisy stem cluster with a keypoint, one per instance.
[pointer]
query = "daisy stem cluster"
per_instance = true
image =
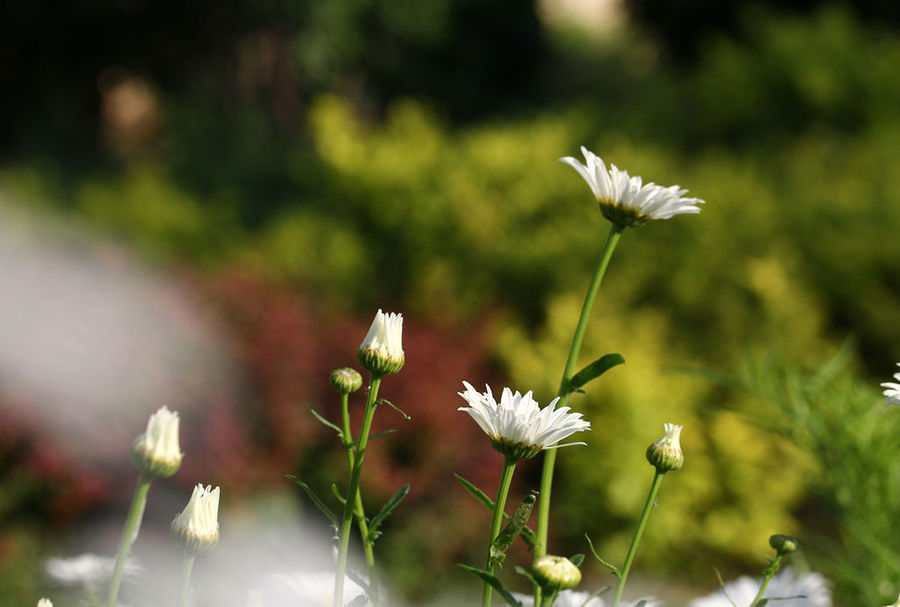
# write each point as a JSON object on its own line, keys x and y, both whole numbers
{"x": 543, "y": 520}
{"x": 509, "y": 467}
{"x": 359, "y": 511}
{"x": 129, "y": 534}
{"x": 353, "y": 490}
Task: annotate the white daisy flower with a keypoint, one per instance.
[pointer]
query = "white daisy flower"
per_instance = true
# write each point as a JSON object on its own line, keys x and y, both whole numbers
{"x": 517, "y": 426}
{"x": 310, "y": 588}
{"x": 197, "y": 527}
{"x": 807, "y": 590}
{"x": 626, "y": 200}
{"x": 574, "y": 598}
{"x": 381, "y": 351}
{"x": 88, "y": 570}
{"x": 893, "y": 390}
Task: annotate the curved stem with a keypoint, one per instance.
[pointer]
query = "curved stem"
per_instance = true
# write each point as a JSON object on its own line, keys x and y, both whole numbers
{"x": 769, "y": 572}
{"x": 129, "y": 534}
{"x": 543, "y": 516}
{"x": 509, "y": 466}
{"x": 359, "y": 512}
{"x": 189, "y": 558}
{"x": 632, "y": 549}
{"x": 352, "y": 491}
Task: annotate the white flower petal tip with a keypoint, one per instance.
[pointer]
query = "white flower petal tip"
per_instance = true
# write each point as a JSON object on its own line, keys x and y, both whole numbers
{"x": 626, "y": 200}
{"x": 44, "y": 603}
{"x": 156, "y": 452}
{"x": 517, "y": 426}
{"x": 892, "y": 394}
{"x": 381, "y": 352}
{"x": 809, "y": 590}
{"x": 197, "y": 527}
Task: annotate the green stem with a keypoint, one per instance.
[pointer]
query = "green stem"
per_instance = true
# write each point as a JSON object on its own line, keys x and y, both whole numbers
{"x": 352, "y": 491}
{"x": 189, "y": 558}
{"x": 768, "y": 573}
{"x": 129, "y": 534}
{"x": 509, "y": 466}
{"x": 632, "y": 550}
{"x": 359, "y": 512}
{"x": 543, "y": 520}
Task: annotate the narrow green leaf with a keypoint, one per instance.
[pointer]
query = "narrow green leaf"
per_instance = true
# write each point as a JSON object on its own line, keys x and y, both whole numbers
{"x": 380, "y": 434}
{"x": 722, "y": 585}
{"x": 326, "y": 422}
{"x": 594, "y": 370}
{"x": 608, "y": 565}
{"x": 527, "y": 532}
{"x": 337, "y": 493}
{"x": 526, "y": 573}
{"x": 509, "y": 533}
{"x": 641, "y": 603}
{"x": 577, "y": 559}
{"x": 761, "y": 603}
{"x": 317, "y": 501}
{"x": 394, "y": 407}
{"x": 493, "y": 581}
{"x": 595, "y": 594}
{"x": 386, "y": 510}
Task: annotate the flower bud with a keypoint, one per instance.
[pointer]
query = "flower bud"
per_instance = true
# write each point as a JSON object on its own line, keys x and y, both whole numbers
{"x": 196, "y": 529}
{"x": 156, "y": 452}
{"x": 44, "y": 603}
{"x": 346, "y": 380}
{"x": 783, "y": 544}
{"x": 665, "y": 454}
{"x": 555, "y": 573}
{"x": 381, "y": 352}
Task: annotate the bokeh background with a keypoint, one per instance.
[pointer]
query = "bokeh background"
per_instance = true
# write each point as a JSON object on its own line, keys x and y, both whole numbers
{"x": 203, "y": 204}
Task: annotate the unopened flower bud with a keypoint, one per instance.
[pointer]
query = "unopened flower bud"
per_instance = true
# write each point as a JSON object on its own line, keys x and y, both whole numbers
{"x": 346, "y": 380}
{"x": 381, "y": 352}
{"x": 665, "y": 454}
{"x": 156, "y": 451}
{"x": 783, "y": 544}
{"x": 555, "y": 573}
{"x": 196, "y": 529}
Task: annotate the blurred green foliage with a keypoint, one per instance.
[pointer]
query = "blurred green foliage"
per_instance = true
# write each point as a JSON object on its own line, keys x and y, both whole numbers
{"x": 790, "y": 136}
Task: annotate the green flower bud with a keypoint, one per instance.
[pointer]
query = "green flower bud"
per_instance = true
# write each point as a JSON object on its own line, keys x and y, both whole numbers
{"x": 555, "y": 573}
{"x": 346, "y": 380}
{"x": 381, "y": 352}
{"x": 156, "y": 451}
{"x": 783, "y": 544}
{"x": 665, "y": 454}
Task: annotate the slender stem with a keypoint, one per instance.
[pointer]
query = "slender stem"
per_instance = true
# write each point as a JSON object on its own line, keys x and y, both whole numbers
{"x": 543, "y": 520}
{"x": 359, "y": 512}
{"x": 632, "y": 550}
{"x": 189, "y": 558}
{"x": 769, "y": 572}
{"x": 352, "y": 491}
{"x": 129, "y": 534}
{"x": 509, "y": 466}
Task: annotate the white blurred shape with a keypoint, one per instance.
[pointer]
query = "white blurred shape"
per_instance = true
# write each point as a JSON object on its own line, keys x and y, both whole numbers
{"x": 88, "y": 571}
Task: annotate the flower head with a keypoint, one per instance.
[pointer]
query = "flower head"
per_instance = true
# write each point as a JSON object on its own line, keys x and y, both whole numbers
{"x": 156, "y": 451}
{"x": 88, "y": 570}
{"x": 555, "y": 573}
{"x": 626, "y": 200}
{"x": 893, "y": 390}
{"x": 310, "y": 588}
{"x": 346, "y": 380}
{"x": 805, "y": 590}
{"x": 44, "y": 603}
{"x": 574, "y": 598}
{"x": 381, "y": 352}
{"x": 197, "y": 527}
{"x": 517, "y": 426}
{"x": 665, "y": 454}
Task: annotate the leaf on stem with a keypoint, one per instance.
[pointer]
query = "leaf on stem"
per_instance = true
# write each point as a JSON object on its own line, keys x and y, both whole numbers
{"x": 722, "y": 585}
{"x": 513, "y": 528}
{"x": 595, "y": 594}
{"x": 385, "y": 511}
{"x": 394, "y": 407}
{"x": 577, "y": 559}
{"x": 481, "y": 496}
{"x": 326, "y": 422}
{"x": 607, "y": 564}
{"x": 317, "y": 501}
{"x": 337, "y": 493}
{"x": 526, "y": 573}
{"x": 594, "y": 370}
{"x": 495, "y": 583}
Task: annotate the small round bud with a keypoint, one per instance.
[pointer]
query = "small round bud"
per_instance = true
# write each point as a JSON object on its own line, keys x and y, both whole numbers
{"x": 381, "y": 352}
{"x": 665, "y": 454}
{"x": 783, "y": 544}
{"x": 346, "y": 380}
{"x": 156, "y": 451}
{"x": 555, "y": 573}
{"x": 196, "y": 529}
